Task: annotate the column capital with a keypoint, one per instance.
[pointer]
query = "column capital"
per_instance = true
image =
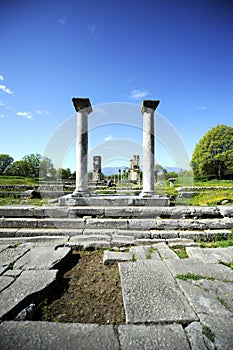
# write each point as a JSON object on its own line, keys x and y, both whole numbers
{"x": 82, "y": 104}
{"x": 149, "y": 105}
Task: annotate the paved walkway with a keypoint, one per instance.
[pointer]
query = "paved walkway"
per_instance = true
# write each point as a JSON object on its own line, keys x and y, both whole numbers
{"x": 170, "y": 303}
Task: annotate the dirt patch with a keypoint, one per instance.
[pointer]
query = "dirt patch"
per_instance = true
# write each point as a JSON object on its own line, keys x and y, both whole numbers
{"x": 89, "y": 292}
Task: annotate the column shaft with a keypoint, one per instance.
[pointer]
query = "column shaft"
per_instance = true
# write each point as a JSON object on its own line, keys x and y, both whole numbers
{"x": 82, "y": 152}
{"x": 148, "y": 151}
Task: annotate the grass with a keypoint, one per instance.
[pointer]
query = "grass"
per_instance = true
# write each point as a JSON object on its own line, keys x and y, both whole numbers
{"x": 208, "y": 333}
{"x": 150, "y": 253}
{"x": 16, "y": 201}
{"x": 18, "y": 180}
{"x": 212, "y": 198}
{"x": 181, "y": 252}
{"x": 193, "y": 276}
{"x": 219, "y": 242}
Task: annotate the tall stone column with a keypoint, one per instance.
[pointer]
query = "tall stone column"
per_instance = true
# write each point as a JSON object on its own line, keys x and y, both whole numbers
{"x": 147, "y": 110}
{"x": 83, "y": 109}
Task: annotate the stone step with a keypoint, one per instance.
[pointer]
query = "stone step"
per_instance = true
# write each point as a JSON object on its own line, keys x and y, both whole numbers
{"x": 179, "y": 212}
{"x": 136, "y": 224}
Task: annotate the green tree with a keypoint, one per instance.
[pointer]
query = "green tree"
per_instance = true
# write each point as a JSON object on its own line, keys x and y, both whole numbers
{"x": 46, "y": 168}
{"x": 5, "y": 162}
{"x": 32, "y": 164}
{"x": 63, "y": 173}
{"x": 213, "y": 154}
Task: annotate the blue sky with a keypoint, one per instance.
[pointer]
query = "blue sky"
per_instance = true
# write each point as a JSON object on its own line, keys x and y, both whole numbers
{"x": 180, "y": 52}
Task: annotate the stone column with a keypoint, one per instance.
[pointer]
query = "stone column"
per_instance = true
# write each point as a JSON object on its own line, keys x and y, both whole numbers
{"x": 147, "y": 110}
{"x": 83, "y": 109}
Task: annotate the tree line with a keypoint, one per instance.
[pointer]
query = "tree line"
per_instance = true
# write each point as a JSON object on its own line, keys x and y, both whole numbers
{"x": 212, "y": 159}
{"x": 32, "y": 165}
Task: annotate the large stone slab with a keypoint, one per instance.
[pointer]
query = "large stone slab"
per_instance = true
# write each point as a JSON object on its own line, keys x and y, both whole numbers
{"x": 195, "y": 336}
{"x": 145, "y": 252}
{"x": 221, "y": 328}
{"x": 61, "y": 223}
{"x": 90, "y": 241}
{"x": 106, "y": 223}
{"x": 5, "y": 281}
{"x": 154, "y": 337}
{"x": 12, "y": 254}
{"x": 29, "y": 335}
{"x": 211, "y": 255}
{"x": 27, "y": 284}
{"x": 151, "y": 294}
{"x": 202, "y": 300}
{"x": 164, "y": 251}
{"x": 195, "y": 266}
{"x": 43, "y": 258}
{"x": 111, "y": 257}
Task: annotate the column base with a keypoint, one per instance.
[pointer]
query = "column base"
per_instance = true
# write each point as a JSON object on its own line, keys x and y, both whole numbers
{"x": 148, "y": 194}
{"x": 80, "y": 194}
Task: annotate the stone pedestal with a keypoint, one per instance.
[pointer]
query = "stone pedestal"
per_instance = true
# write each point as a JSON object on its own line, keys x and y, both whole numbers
{"x": 147, "y": 110}
{"x": 83, "y": 109}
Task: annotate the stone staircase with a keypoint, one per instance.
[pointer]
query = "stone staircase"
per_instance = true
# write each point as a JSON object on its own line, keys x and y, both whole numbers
{"x": 116, "y": 226}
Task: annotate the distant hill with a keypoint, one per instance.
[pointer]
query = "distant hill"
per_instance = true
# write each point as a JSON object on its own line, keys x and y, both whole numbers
{"x": 114, "y": 170}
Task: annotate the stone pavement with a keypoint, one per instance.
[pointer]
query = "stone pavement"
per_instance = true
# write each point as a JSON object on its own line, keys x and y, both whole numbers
{"x": 170, "y": 303}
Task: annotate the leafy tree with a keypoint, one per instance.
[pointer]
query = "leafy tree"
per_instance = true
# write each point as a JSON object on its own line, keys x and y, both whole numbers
{"x": 213, "y": 154}
{"x": 63, "y": 173}
{"x": 17, "y": 169}
{"x": 5, "y": 162}
{"x": 32, "y": 164}
{"x": 46, "y": 168}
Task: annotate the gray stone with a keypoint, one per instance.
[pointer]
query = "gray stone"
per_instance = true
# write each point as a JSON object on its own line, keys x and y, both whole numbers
{"x": 164, "y": 251}
{"x": 142, "y": 224}
{"x": 102, "y": 232}
{"x": 75, "y": 212}
{"x": 90, "y": 241}
{"x": 106, "y": 223}
{"x": 211, "y": 234}
{"x": 181, "y": 242}
{"x": 13, "y": 273}
{"x": 226, "y": 211}
{"x": 8, "y": 232}
{"x": 146, "y": 241}
{"x": 27, "y": 284}
{"x": 202, "y": 301}
{"x": 151, "y": 294}
{"x": 48, "y": 232}
{"x": 12, "y": 254}
{"x": 221, "y": 328}
{"x": 195, "y": 266}
{"x": 145, "y": 252}
{"x": 5, "y": 281}
{"x": 30, "y": 335}
{"x": 20, "y": 222}
{"x": 211, "y": 255}
{"x": 45, "y": 241}
{"x": 61, "y": 223}
{"x": 118, "y": 241}
{"x": 111, "y": 257}
{"x": 155, "y": 337}
{"x": 4, "y": 247}
{"x": 195, "y": 336}
{"x": 137, "y": 234}
{"x": 43, "y": 258}
{"x": 194, "y": 235}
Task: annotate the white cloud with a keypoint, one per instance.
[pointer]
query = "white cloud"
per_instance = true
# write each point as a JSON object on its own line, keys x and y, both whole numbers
{"x": 137, "y": 95}
{"x": 6, "y": 90}
{"x": 92, "y": 30}
{"x": 62, "y": 20}
{"x": 202, "y": 108}
{"x": 3, "y": 116}
{"x": 1, "y": 77}
{"x": 27, "y": 115}
{"x": 108, "y": 138}
{"x": 41, "y": 112}
{"x": 2, "y": 103}
{"x": 99, "y": 110}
